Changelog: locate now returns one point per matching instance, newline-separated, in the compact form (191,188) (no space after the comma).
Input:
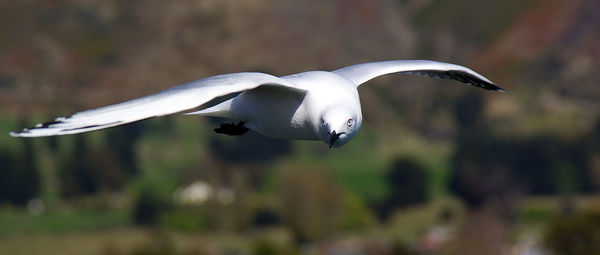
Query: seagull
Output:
(314,105)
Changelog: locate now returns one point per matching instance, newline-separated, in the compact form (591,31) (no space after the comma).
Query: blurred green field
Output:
(112,233)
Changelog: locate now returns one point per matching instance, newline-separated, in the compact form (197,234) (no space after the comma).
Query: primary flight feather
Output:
(315,105)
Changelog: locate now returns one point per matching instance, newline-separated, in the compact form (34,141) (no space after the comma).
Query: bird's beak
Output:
(333,137)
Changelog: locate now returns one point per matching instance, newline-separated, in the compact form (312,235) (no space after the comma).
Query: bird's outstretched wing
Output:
(363,72)
(180,98)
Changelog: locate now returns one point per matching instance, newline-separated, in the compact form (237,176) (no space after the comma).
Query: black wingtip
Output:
(504,91)
(500,89)
(19,133)
(37,126)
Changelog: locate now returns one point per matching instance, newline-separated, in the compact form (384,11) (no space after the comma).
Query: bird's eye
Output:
(349,123)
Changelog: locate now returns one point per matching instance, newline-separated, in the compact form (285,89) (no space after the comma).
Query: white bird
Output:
(315,105)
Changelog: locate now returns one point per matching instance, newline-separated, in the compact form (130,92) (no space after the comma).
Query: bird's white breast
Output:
(281,113)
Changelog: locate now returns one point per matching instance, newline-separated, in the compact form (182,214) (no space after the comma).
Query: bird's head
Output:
(339,125)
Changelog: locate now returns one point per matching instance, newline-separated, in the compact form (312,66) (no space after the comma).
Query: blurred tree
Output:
(476,174)
(595,136)
(74,174)
(88,170)
(549,165)
(485,165)
(251,151)
(149,207)
(8,162)
(29,179)
(468,112)
(19,177)
(121,142)
(594,158)
(407,183)
(264,217)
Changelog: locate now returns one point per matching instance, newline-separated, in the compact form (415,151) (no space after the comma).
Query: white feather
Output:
(180,98)
(362,73)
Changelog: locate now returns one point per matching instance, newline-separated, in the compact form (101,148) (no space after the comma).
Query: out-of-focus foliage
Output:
(149,207)
(487,165)
(19,176)
(90,165)
(407,185)
(575,234)
(267,247)
(311,204)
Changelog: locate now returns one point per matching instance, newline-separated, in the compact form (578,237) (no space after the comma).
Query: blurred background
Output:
(437,168)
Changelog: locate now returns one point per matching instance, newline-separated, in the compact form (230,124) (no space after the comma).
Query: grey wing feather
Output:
(180,98)
(361,73)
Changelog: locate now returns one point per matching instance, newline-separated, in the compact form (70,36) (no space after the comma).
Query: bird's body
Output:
(271,111)
(316,105)
(289,114)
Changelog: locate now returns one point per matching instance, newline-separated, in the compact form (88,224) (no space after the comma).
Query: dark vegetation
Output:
(407,184)
(487,166)
(19,176)
(575,234)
